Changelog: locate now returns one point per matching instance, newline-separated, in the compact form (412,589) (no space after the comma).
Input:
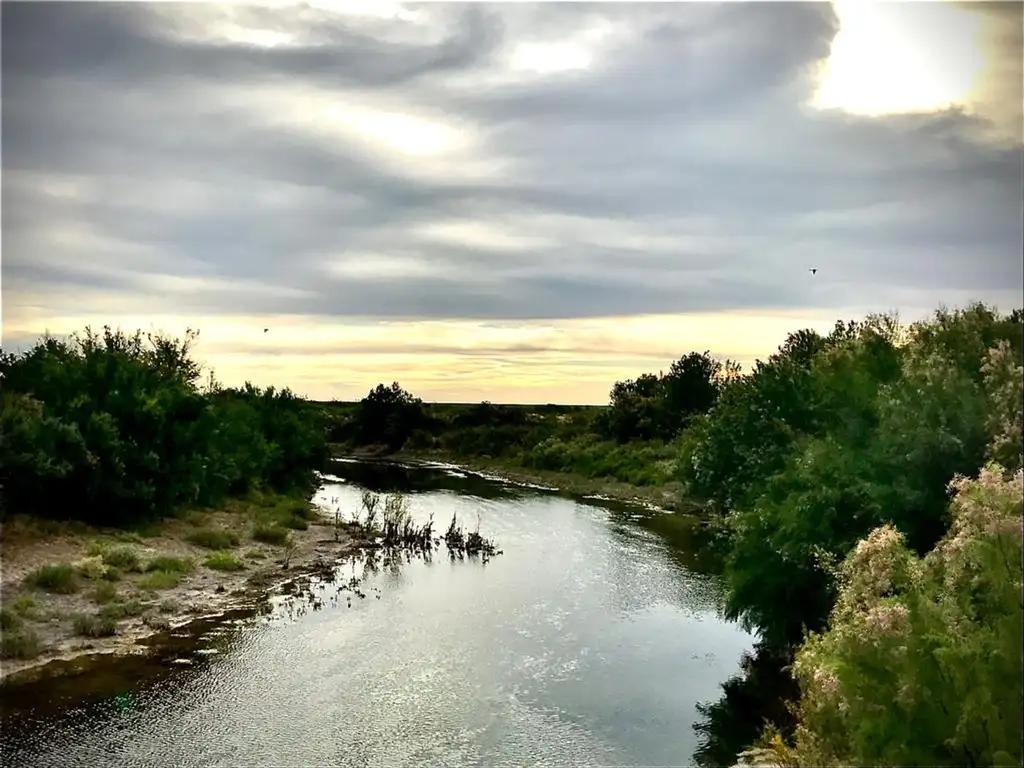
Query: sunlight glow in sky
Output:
(885,61)
(515,202)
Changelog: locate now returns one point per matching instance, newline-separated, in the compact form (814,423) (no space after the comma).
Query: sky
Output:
(510,202)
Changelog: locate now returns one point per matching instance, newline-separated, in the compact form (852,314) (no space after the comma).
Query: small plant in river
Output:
(370,503)
(289,552)
(461,544)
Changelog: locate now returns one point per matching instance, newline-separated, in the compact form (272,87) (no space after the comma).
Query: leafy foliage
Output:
(658,407)
(835,435)
(921,663)
(113,428)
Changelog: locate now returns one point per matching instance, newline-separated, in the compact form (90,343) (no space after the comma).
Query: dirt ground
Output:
(141,606)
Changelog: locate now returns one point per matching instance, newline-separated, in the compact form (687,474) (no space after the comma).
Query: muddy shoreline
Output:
(146,611)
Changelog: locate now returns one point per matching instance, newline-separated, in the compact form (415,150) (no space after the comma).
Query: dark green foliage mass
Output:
(113,428)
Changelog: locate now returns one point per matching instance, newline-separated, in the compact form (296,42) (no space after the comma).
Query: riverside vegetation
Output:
(862,491)
(135,495)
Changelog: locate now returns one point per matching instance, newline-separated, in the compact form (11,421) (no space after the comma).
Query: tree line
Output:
(114,428)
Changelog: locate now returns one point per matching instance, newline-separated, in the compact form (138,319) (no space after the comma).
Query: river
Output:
(589,641)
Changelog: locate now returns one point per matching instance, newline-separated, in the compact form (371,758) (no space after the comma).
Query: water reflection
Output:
(589,641)
(750,699)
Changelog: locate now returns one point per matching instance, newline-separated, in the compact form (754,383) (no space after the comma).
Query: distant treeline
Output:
(116,428)
(627,440)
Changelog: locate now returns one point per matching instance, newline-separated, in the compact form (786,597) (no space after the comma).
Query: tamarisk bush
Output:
(921,662)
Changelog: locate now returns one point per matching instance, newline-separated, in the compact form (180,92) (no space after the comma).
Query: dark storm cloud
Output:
(139,144)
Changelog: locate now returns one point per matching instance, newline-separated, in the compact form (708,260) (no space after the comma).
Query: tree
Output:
(388,416)
(690,387)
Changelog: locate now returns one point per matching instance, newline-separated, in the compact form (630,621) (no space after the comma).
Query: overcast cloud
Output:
(420,166)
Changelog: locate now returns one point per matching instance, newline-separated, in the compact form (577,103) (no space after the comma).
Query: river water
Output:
(589,641)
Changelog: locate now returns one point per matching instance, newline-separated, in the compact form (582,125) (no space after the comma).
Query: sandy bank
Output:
(61,622)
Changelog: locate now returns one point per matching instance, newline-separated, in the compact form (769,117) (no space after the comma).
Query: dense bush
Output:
(835,435)
(113,428)
(921,662)
(659,407)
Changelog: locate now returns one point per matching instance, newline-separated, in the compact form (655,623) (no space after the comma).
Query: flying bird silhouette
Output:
(814,271)
(265,330)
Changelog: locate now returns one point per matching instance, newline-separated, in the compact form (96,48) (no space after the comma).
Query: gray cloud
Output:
(680,172)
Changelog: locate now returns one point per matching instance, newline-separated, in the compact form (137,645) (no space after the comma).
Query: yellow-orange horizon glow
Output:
(565,361)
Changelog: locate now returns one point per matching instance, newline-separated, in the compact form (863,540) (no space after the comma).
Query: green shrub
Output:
(123,559)
(921,663)
(224,561)
(59,579)
(214,538)
(20,644)
(104,593)
(93,625)
(119,423)
(155,580)
(122,609)
(170,564)
(9,620)
(270,534)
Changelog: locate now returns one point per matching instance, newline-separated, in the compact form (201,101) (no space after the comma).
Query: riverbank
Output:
(68,589)
(667,496)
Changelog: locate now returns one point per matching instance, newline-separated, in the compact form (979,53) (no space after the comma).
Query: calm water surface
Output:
(588,642)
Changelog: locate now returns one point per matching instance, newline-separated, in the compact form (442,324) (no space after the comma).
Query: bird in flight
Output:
(265,330)
(814,271)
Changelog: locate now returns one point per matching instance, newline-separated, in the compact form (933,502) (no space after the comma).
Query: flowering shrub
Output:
(1004,380)
(921,663)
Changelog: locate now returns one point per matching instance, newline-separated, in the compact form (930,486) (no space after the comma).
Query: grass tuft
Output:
(156,580)
(271,534)
(20,644)
(214,538)
(9,620)
(123,559)
(170,564)
(224,561)
(122,610)
(94,625)
(104,593)
(59,579)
